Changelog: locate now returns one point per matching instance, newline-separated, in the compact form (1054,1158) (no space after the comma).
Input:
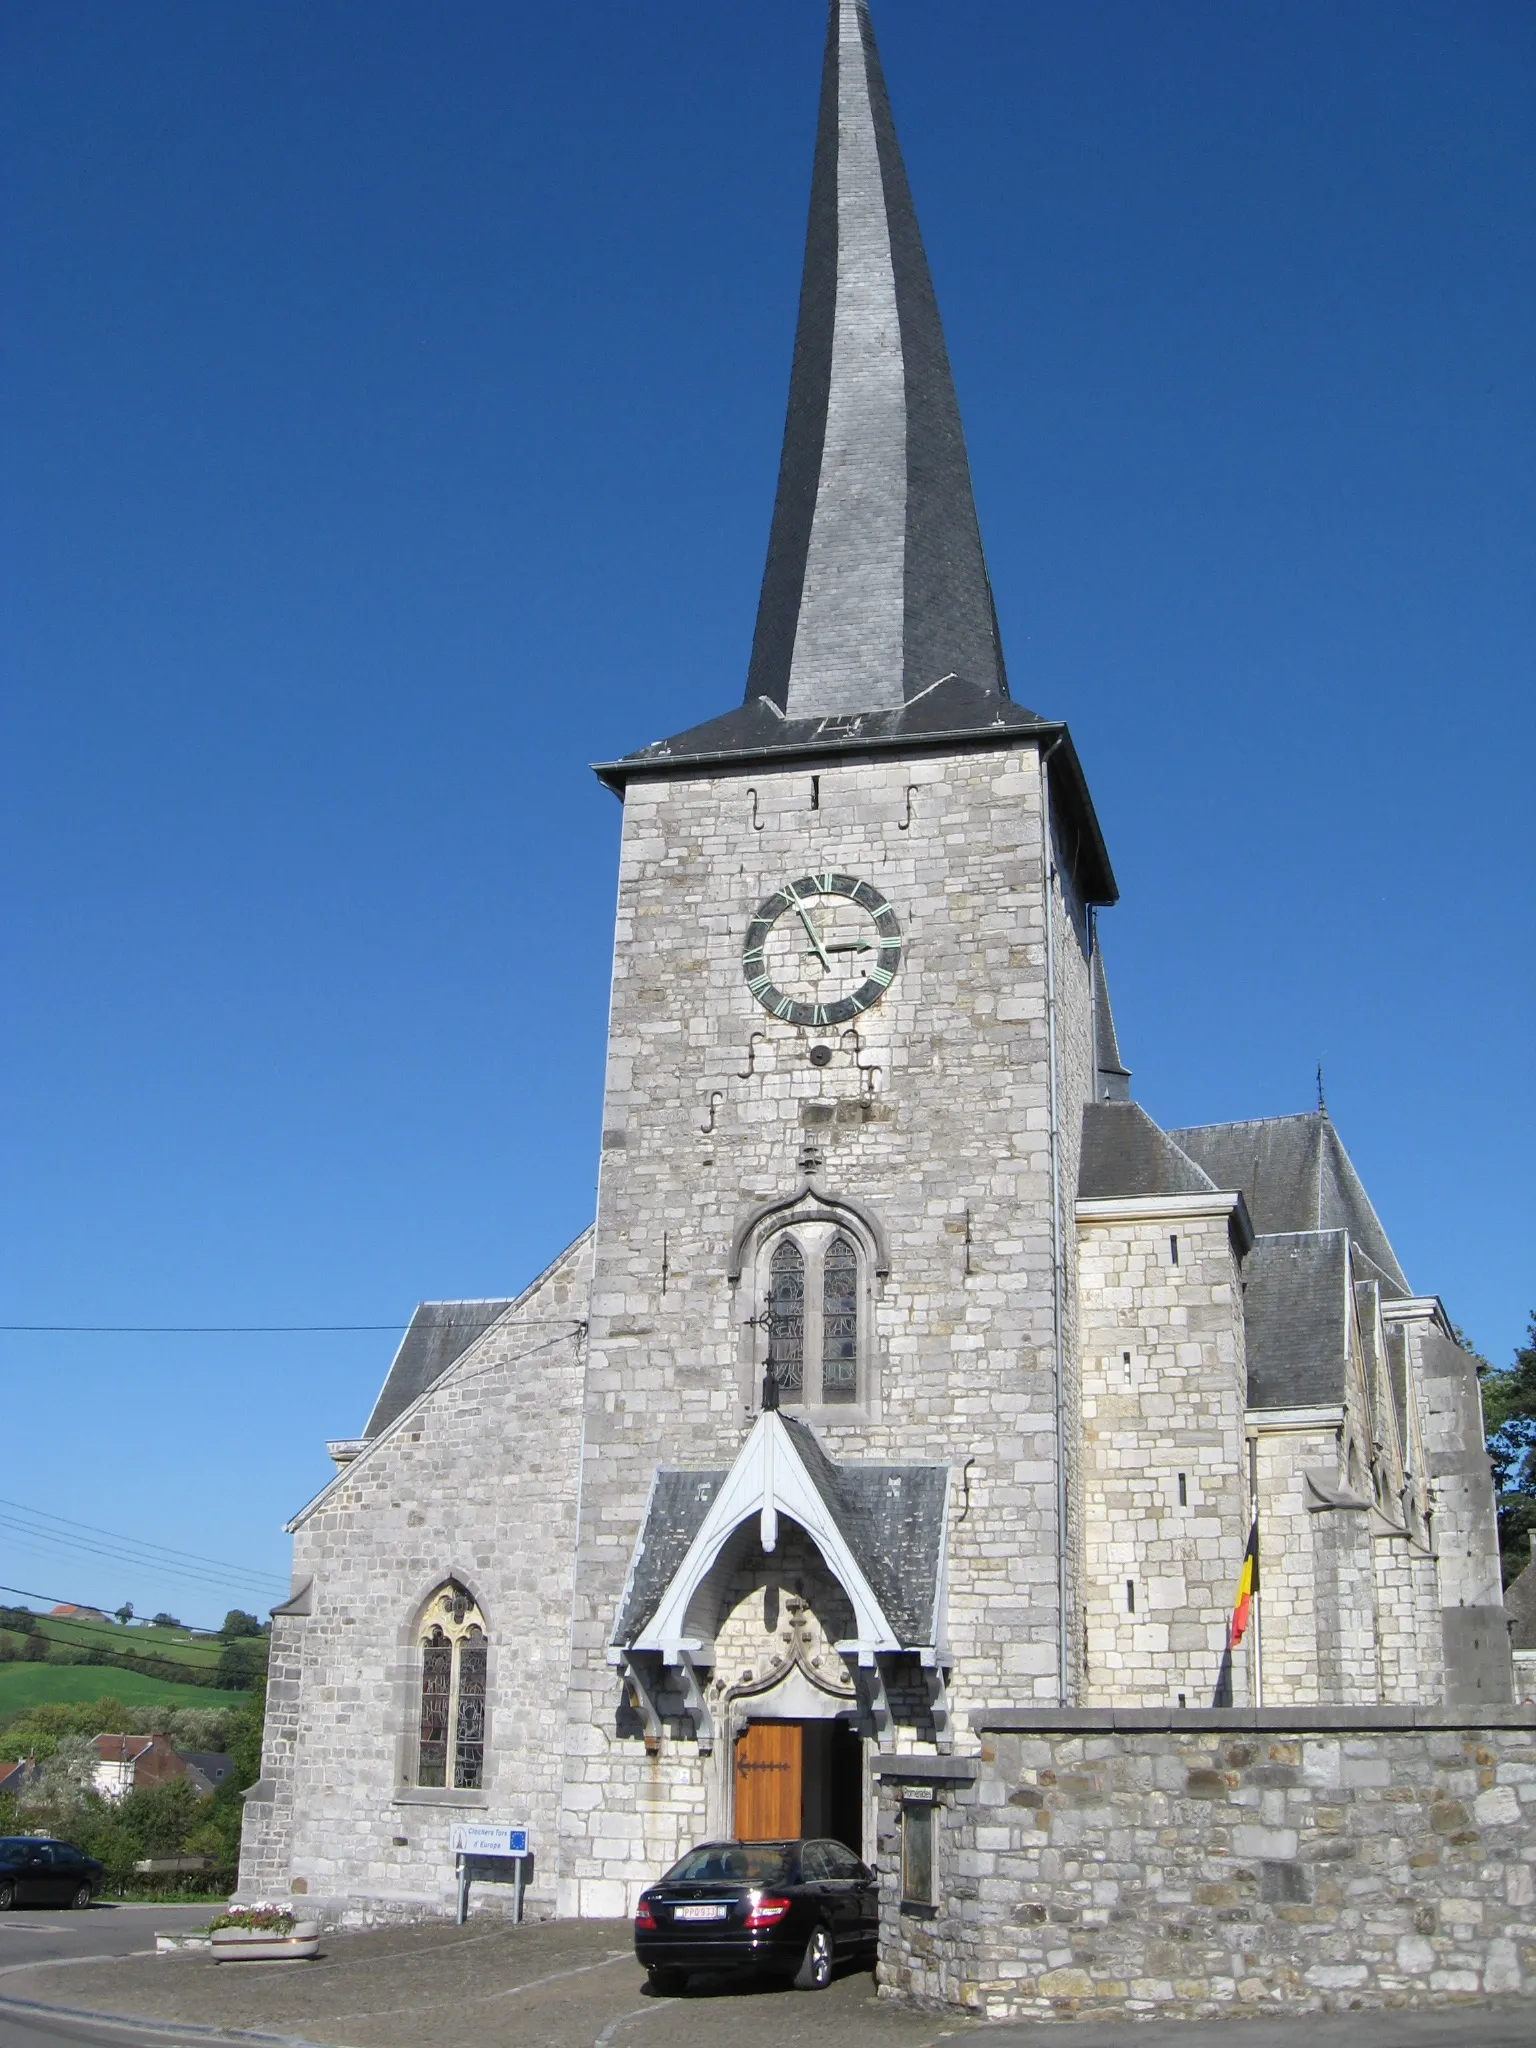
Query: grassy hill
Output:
(181,1644)
(23,1686)
(89,1659)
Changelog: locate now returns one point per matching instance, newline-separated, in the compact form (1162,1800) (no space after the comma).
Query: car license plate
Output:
(698,1912)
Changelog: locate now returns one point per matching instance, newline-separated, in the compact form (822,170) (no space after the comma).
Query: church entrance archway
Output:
(799,1778)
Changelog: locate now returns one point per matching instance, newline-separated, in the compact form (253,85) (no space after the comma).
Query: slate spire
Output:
(875,586)
(875,627)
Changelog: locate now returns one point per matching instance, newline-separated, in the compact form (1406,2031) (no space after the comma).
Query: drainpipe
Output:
(1048,875)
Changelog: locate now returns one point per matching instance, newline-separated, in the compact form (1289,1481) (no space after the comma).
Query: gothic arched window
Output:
(453,1657)
(786,1328)
(813,1314)
(840,1322)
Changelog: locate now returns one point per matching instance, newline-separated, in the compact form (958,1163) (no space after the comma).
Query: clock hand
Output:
(813,934)
(849,946)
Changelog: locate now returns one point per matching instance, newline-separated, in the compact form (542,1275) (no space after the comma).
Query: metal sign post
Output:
(474,1847)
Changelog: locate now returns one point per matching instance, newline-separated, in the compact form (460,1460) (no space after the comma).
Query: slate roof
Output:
(440,1332)
(890,1516)
(1295,1314)
(1113,1077)
(1124,1153)
(1295,1175)
(209,1765)
(875,623)
(875,585)
(951,715)
(438,1336)
(674,1515)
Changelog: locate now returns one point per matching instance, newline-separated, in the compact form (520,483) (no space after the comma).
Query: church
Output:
(909,1371)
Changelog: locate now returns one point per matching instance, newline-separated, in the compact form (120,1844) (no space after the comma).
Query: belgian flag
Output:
(1247,1586)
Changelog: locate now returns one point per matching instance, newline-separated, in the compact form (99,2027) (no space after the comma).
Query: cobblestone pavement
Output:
(574,1984)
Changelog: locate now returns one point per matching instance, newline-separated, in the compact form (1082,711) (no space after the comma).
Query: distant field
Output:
(31,1685)
(106,1635)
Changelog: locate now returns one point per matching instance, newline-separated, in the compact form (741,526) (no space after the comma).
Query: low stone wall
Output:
(1189,1863)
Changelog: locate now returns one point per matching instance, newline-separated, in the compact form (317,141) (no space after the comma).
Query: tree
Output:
(165,1621)
(125,1613)
(241,1661)
(238,1623)
(35,1648)
(1509,1413)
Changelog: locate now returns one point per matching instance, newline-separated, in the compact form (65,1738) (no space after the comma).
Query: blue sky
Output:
(391,410)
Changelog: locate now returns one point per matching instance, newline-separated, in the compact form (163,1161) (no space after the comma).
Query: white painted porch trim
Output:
(767,1480)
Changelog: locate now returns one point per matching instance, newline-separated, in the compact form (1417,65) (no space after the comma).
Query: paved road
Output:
(572,1984)
(36,1934)
(33,1935)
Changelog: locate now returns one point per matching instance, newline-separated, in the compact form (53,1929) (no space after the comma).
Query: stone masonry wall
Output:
(1287,1621)
(477,1481)
(1164,1397)
(1139,1865)
(939,1123)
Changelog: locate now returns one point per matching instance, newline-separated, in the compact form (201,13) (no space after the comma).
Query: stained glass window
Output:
(840,1322)
(436,1691)
(453,1675)
(469,1722)
(786,1332)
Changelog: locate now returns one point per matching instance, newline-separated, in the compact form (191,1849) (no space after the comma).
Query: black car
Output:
(794,1908)
(37,1872)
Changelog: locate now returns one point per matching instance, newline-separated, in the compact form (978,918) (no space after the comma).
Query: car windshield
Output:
(734,1863)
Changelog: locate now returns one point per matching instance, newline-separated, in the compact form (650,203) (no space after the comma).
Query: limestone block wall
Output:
(933,1112)
(1286,1630)
(1465,1526)
(1348,1650)
(1165,1487)
(478,1482)
(1409,1661)
(1137,1865)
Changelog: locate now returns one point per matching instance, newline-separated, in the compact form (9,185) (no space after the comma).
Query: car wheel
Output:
(7,1895)
(815,1971)
(668,1983)
(80,1898)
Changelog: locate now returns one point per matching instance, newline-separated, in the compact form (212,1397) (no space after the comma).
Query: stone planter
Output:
(260,1945)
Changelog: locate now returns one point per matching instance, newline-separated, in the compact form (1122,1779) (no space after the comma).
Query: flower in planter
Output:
(260,1919)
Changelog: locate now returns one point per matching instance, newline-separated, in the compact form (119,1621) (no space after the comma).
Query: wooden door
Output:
(768,1782)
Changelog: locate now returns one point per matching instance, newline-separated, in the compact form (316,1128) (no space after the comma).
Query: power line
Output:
(132,1560)
(208,1329)
(115,1644)
(222,1585)
(58,1600)
(161,1550)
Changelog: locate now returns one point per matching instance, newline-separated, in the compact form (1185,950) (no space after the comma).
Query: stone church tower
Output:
(908,1368)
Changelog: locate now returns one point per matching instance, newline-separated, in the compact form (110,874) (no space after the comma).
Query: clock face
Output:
(821,950)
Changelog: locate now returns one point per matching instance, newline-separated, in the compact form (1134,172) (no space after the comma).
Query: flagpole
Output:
(1258,1595)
